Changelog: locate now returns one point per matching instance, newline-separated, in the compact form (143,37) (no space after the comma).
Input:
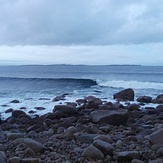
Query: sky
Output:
(94,32)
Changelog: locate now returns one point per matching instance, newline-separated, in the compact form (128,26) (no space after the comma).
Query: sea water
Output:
(37,85)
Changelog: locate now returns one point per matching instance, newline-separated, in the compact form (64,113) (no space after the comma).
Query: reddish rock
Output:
(126,94)
(146,99)
(113,117)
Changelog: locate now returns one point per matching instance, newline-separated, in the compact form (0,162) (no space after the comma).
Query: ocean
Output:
(37,85)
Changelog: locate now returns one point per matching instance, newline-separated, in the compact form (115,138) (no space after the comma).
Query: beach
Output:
(88,130)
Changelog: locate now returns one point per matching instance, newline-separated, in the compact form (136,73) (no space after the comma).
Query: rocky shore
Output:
(88,130)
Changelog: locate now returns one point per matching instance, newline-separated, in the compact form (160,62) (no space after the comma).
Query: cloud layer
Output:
(80,22)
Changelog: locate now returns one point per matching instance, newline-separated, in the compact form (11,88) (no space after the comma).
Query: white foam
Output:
(130,84)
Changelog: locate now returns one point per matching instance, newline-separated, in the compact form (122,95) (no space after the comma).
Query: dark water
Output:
(35,82)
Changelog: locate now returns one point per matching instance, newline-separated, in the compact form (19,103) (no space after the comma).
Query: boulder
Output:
(35,145)
(146,99)
(160,98)
(126,156)
(15,101)
(112,117)
(156,137)
(93,152)
(14,160)
(66,109)
(94,103)
(13,136)
(126,94)
(29,160)
(104,147)
(17,113)
(133,107)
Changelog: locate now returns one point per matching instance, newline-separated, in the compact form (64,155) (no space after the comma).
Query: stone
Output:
(126,156)
(66,109)
(126,94)
(137,161)
(146,99)
(105,138)
(94,103)
(3,147)
(17,113)
(9,110)
(156,137)
(40,108)
(14,160)
(160,98)
(93,152)
(13,136)
(104,147)
(156,161)
(15,101)
(132,107)
(3,158)
(112,117)
(35,145)
(29,160)
(160,151)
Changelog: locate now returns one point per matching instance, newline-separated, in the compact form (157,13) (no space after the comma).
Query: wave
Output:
(76,81)
(130,84)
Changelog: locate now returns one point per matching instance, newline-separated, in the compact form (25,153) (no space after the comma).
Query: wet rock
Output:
(35,145)
(126,156)
(93,152)
(126,94)
(160,98)
(113,117)
(9,110)
(146,99)
(66,109)
(40,108)
(17,113)
(15,101)
(156,137)
(156,161)
(104,147)
(105,138)
(58,98)
(3,147)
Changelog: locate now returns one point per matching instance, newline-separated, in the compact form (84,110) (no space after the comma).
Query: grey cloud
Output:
(80,22)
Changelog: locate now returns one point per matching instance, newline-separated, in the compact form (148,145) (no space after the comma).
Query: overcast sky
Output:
(81,32)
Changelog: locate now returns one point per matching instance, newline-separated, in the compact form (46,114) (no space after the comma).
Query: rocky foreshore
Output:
(88,130)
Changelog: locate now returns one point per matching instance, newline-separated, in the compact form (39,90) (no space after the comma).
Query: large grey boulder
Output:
(156,137)
(66,109)
(112,117)
(126,94)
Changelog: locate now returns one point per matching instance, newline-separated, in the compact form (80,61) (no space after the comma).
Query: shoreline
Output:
(87,130)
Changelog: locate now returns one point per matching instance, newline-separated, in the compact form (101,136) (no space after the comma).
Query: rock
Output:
(160,98)
(126,156)
(3,158)
(15,101)
(87,138)
(104,147)
(156,161)
(94,103)
(119,143)
(9,110)
(93,152)
(160,151)
(29,160)
(105,138)
(146,99)
(133,107)
(137,161)
(58,98)
(14,160)
(126,94)
(13,136)
(3,147)
(156,137)
(17,113)
(66,109)
(113,117)
(40,108)
(36,146)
